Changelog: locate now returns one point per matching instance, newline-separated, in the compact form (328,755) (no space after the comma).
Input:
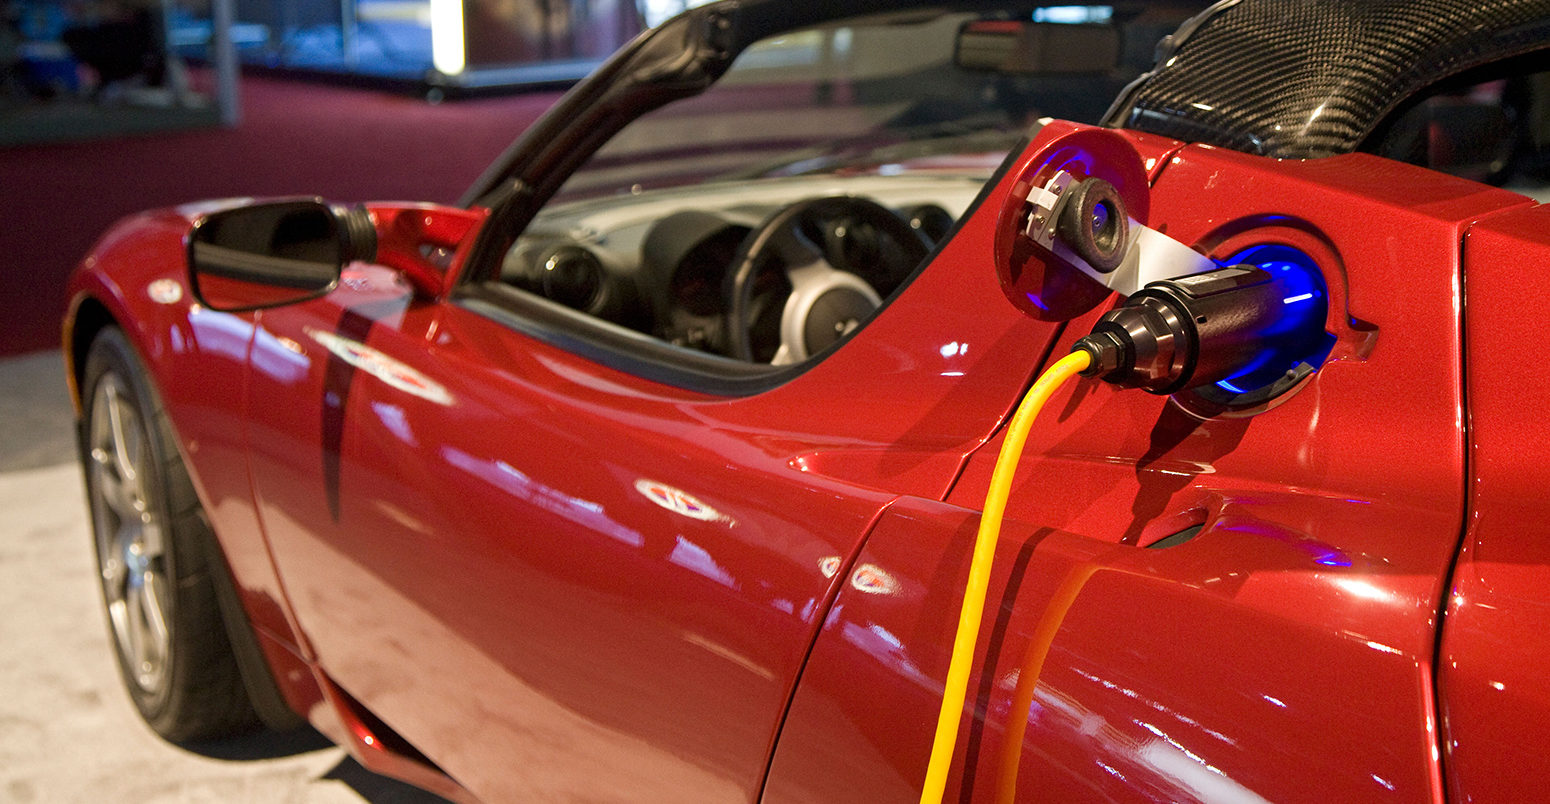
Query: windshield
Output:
(886,95)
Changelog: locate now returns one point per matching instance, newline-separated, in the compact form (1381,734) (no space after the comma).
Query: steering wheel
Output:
(825,303)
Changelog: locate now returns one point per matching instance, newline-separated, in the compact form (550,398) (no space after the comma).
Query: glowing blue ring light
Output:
(1305,298)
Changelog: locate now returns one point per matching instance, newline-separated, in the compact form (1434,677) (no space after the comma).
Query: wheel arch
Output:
(87,317)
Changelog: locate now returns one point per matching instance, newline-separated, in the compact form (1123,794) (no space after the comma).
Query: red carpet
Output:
(295,138)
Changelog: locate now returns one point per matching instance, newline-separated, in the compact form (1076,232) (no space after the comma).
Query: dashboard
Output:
(664,262)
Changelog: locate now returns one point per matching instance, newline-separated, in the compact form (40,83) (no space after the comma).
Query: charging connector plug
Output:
(1196,330)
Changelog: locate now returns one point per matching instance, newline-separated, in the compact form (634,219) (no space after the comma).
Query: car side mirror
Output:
(275,253)
(1017,47)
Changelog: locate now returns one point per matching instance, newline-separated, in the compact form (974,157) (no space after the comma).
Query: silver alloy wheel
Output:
(131,547)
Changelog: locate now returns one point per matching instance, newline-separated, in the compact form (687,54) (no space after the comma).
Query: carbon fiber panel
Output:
(1310,78)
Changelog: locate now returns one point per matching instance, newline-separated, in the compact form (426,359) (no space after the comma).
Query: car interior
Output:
(768,218)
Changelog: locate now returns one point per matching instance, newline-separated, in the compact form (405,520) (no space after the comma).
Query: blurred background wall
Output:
(108,107)
(296,138)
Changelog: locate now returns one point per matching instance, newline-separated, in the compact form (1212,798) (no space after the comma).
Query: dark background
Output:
(295,138)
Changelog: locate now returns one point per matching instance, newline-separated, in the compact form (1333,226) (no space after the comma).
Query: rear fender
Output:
(1112,671)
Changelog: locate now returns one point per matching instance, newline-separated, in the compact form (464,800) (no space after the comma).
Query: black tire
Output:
(167,633)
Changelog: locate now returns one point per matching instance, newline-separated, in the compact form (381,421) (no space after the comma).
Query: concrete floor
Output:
(68,732)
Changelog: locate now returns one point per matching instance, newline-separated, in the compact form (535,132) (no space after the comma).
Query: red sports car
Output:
(679,462)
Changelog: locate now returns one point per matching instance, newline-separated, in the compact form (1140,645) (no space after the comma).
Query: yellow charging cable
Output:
(957,688)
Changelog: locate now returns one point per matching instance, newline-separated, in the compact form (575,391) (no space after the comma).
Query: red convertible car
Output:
(655,470)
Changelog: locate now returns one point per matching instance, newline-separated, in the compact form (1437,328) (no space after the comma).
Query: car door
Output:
(558,579)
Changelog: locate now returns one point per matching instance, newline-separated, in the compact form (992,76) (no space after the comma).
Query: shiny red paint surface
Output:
(611,582)
(1289,646)
(508,551)
(560,580)
(1495,702)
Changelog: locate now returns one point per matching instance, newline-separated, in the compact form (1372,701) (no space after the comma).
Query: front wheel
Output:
(162,612)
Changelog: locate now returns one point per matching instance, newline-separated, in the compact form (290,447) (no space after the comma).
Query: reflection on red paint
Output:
(384,368)
(873,580)
(677,500)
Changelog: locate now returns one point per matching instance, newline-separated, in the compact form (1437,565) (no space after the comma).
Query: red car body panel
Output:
(663,608)
(1495,702)
(558,579)
(630,570)
(1289,647)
